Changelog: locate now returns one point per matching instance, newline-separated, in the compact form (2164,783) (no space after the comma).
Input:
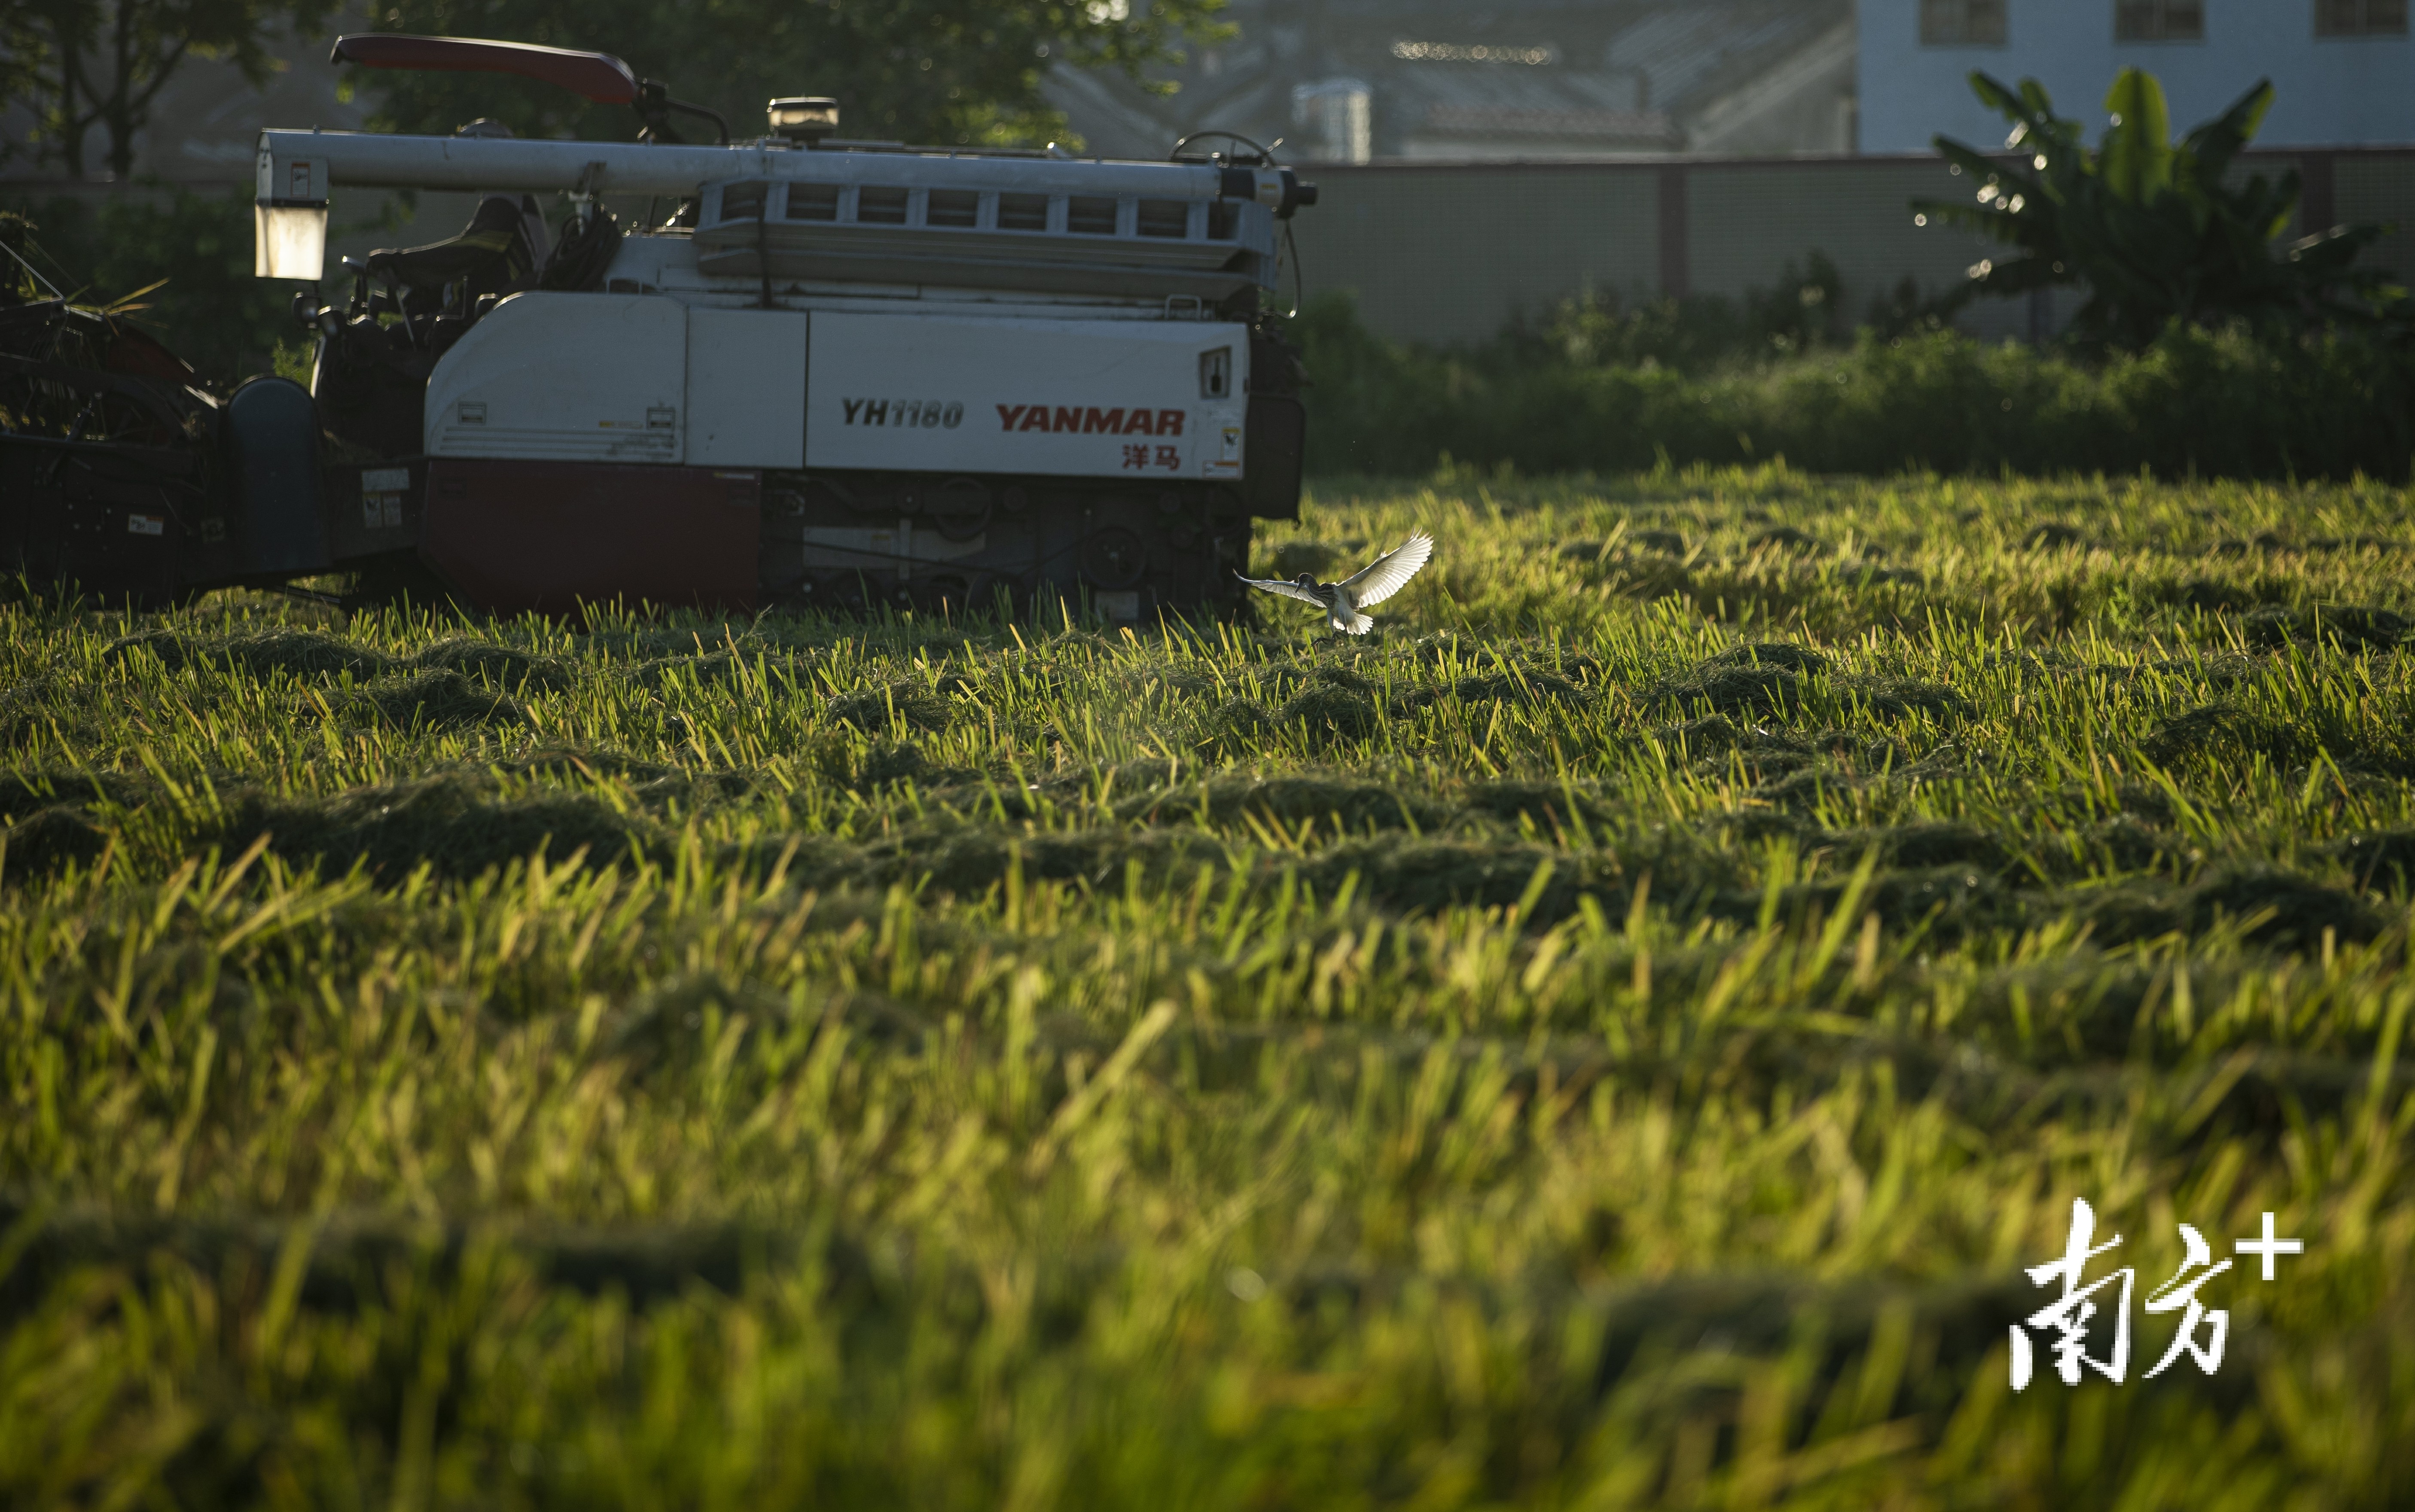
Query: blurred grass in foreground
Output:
(1613,1039)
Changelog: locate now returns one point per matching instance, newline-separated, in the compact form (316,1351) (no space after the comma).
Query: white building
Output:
(2343,71)
(1444,81)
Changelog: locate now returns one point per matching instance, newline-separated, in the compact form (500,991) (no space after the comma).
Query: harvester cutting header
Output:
(821,372)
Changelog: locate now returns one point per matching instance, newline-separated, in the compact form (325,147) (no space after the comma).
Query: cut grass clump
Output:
(2263,904)
(1324,713)
(441,700)
(1333,803)
(893,706)
(1525,685)
(1901,698)
(1431,876)
(888,764)
(457,826)
(1785,538)
(1768,678)
(1546,806)
(2054,535)
(2222,734)
(25,793)
(1941,905)
(356,1256)
(1759,755)
(300,653)
(2383,860)
(2120,845)
(2358,627)
(311,657)
(756,666)
(511,669)
(970,861)
(47,841)
(1933,845)
(2218,732)
(1235,728)
(1735,690)
(1782,655)
(30,711)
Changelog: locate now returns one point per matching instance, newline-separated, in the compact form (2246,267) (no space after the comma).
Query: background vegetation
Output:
(2204,347)
(1592,386)
(1613,1039)
(80,67)
(2158,232)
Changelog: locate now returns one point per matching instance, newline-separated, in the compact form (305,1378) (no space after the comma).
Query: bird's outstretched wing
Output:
(1389,573)
(1276,585)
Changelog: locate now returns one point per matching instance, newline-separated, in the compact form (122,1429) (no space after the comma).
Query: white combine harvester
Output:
(827,373)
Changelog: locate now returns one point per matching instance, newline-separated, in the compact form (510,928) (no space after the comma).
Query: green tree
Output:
(945,71)
(2154,229)
(84,64)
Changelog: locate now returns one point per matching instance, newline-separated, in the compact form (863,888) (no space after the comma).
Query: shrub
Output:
(2151,228)
(2193,402)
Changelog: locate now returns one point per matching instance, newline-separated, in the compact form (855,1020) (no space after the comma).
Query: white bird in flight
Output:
(1379,580)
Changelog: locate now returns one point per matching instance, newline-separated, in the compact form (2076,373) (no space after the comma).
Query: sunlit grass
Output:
(1614,1038)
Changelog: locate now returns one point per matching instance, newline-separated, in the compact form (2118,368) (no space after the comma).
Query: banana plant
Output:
(2152,229)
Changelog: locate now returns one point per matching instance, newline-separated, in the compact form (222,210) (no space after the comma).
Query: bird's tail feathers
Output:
(1360,624)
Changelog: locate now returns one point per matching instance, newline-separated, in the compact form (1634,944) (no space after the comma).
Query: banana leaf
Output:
(2153,230)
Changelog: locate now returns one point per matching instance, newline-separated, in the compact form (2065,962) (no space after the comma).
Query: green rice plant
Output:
(1613,1037)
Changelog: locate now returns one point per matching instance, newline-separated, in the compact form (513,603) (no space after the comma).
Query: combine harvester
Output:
(836,374)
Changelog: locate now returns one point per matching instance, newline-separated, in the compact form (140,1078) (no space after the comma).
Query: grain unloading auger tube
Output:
(820,371)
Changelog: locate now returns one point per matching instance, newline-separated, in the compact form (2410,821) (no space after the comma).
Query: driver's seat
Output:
(500,252)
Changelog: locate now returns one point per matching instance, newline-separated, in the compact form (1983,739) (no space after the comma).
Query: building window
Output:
(2360,18)
(2161,20)
(1962,22)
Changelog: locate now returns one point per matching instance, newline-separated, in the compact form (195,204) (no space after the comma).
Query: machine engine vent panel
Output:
(1164,219)
(809,202)
(953,207)
(1115,245)
(1090,215)
(881,205)
(1022,212)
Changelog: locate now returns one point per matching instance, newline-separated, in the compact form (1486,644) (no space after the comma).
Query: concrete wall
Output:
(1449,254)
(2327,91)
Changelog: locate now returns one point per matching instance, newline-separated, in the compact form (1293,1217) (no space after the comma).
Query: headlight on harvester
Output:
(803,118)
(289,239)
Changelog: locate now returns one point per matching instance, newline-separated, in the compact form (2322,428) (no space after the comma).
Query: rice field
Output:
(1616,1037)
